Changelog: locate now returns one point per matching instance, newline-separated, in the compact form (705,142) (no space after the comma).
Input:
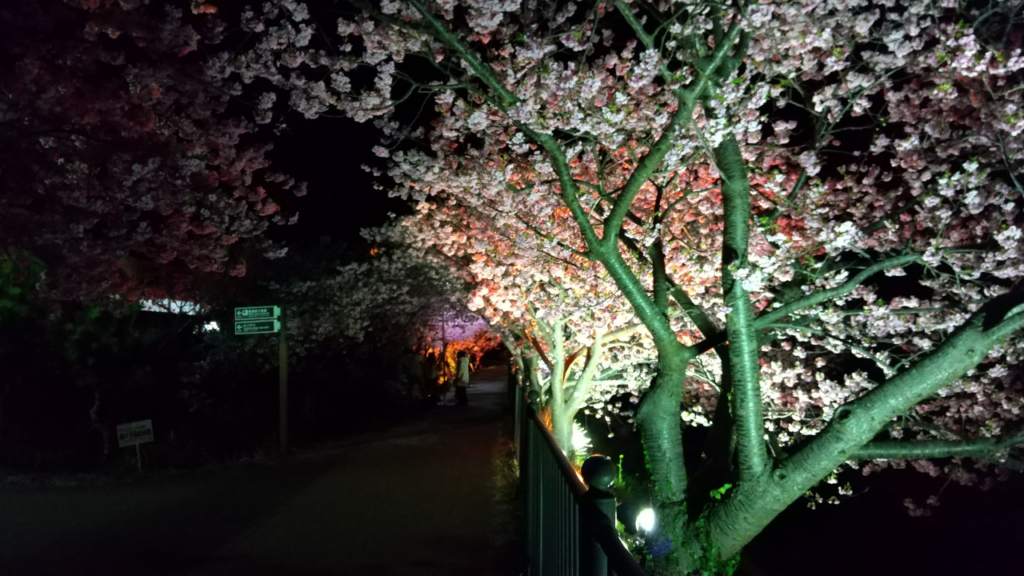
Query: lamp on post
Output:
(599,472)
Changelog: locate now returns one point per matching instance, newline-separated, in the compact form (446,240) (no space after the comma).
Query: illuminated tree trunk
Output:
(565,395)
(561,417)
(531,374)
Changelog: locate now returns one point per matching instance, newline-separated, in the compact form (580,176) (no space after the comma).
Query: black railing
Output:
(570,529)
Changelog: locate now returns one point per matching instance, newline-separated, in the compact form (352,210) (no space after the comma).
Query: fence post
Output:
(599,472)
(535,486)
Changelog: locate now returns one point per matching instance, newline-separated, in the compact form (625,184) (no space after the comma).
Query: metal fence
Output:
(570,529)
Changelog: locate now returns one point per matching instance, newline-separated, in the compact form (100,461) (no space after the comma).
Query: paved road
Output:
(419,500)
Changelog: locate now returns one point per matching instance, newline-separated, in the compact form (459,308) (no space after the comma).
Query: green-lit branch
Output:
(801,180)
(586,379)
(751,508)
(696,315)
(721,442)
(641,174)
(980,448)
(816,298)
(505,99)
(649,163)
(482,71)
(659,275)
(686,305)
(743,360)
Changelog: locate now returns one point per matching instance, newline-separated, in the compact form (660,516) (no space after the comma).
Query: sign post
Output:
(135,433)
(269,320)
(282,374)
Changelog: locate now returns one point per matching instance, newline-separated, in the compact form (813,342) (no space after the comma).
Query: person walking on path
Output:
(462,379)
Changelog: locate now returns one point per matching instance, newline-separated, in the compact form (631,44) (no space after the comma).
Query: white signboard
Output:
(134,433)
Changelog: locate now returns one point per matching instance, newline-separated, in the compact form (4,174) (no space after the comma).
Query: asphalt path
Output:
(419,499)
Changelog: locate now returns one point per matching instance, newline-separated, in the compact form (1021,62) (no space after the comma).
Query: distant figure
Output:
(431,376)
(413,372)
(462,379)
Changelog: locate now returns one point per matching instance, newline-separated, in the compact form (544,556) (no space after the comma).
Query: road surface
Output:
(419,500)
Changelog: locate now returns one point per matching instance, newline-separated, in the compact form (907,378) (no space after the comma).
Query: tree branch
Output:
(696,315)
(482,71)
(845,288)
(989,449)
(746,388)
(734,523)
(583,383)
(506,99)
(686,98)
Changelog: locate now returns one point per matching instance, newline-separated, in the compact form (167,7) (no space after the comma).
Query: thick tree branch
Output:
(686,98)
(754,505)
(700,319)
(643,172)
(746,388)
(686,305)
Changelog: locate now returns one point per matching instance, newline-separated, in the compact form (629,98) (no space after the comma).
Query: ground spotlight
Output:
(645,520)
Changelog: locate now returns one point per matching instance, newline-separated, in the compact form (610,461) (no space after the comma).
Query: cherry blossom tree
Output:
(829,191)
(567,327)
(119,153)
(389,293)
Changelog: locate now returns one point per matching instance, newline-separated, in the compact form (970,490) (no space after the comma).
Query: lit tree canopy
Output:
(392,296)
(574,336)
(117,149)
(828,190)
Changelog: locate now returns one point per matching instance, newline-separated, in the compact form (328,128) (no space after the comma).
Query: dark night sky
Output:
(327,153)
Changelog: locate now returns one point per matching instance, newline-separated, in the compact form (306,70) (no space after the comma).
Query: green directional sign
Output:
(269,320)
(257,327)
(257,313)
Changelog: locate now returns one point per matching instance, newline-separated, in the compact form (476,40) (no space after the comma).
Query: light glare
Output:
(580,440)
(645,520)
(171,306)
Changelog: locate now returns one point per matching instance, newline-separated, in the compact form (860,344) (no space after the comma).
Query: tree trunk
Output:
(659,420)
(531,374)
(742,350)
(561,428)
